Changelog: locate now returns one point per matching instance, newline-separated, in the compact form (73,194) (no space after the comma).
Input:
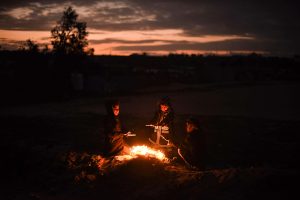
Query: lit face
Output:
(189,127)
(116,110)
(164,108)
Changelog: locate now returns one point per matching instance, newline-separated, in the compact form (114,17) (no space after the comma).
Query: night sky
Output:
(161,26)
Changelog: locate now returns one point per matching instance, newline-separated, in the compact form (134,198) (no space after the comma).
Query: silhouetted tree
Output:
(69,35)
(45,50)
(29,46)
(90,51)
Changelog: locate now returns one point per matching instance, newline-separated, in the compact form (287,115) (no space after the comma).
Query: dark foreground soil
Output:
(57,157)
(53,151)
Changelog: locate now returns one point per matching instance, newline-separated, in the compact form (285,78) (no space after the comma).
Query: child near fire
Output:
(163,123)
(114,130)
(192,150)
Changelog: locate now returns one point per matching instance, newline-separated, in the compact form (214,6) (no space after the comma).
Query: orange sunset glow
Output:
(160,27)
(111,40)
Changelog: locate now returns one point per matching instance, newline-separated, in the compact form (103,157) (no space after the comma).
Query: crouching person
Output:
(192,150)
(114,131)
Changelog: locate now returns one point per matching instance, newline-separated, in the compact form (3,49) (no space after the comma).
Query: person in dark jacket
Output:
(193,148)
(163,123)
(114,130)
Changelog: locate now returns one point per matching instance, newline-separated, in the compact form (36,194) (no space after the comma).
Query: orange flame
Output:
(134,152)
(147,151)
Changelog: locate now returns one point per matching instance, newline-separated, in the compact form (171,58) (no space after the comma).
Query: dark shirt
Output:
(193,148)
(164,119)
(114,135)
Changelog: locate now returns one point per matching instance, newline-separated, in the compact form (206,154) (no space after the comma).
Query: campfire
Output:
(145,151)
(149,152)
(105,165)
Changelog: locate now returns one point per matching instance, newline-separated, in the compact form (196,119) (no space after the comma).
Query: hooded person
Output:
(163,121)
(114,130)
(193,147)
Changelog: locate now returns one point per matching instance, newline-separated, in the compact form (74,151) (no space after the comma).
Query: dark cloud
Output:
(16,3)
(184,45)
(277,48)
(273,24)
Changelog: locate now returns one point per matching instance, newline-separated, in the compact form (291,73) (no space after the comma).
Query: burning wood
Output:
(105,165)
(149,152)
(145,151)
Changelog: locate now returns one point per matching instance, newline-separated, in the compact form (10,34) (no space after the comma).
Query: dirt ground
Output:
(48,151)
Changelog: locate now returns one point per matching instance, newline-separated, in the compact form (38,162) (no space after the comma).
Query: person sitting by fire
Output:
(192,150)
(163,123)
(114,130)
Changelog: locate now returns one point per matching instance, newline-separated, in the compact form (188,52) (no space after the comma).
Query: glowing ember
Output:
(124,157)
(146,151)
(134,152)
